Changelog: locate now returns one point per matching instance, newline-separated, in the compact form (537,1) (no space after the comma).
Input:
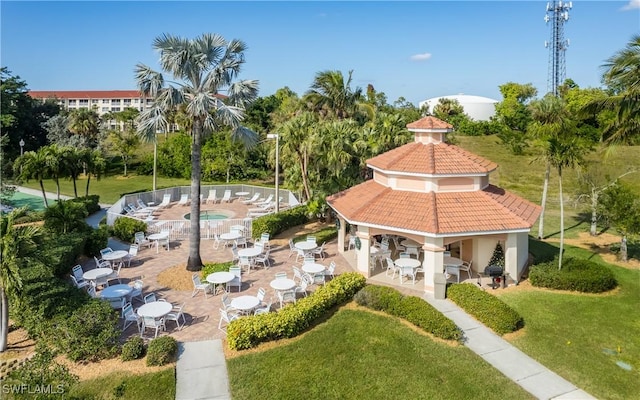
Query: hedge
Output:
(161,351)
(411,308)
(323,235)
(91,203)
(210,268)
(124,228)
(290,321)
(577,274)
(485,307)
(62,250)
(274,224)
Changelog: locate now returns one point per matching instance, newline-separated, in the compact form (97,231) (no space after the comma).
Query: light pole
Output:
(277,138)
(21,147)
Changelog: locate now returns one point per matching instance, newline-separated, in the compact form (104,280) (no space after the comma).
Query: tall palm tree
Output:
(55,164)
(549,116)
(18,246)
(33,165)
(73,164)
(200,69)
(95,165)
(86,123)
(332,95)
(296,146)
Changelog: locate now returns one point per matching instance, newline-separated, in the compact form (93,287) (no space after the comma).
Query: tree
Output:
(86,123)
(18,247)
(513,115)
(55,164)
(200,68)
(296,147)
(65,216)
(125,143)
(332,96)
(73,164)
(620,206)
(33,165)
(95,165)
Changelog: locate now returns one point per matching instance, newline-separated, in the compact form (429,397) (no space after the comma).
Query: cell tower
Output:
(557,14)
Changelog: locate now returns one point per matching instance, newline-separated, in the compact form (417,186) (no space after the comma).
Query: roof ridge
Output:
(507,193)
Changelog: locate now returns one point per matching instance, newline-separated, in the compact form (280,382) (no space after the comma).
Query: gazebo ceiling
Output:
(489,210)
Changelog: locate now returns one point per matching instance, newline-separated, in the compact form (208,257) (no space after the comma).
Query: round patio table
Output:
(157,237)
(250,252)
(239,228)
(219,278)
(313,268)
(96,273)
(282,284)
(245,303)
(117,255)
(305,246)
(155,309)
(230,236)
(452,261)
(116,291)
(407,262)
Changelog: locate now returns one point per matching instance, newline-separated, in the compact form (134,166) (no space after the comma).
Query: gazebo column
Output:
(363,255)
(516,253)
(433,260)
(341,234)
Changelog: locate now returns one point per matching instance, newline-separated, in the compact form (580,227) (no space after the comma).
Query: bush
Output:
(132,349)
(97,240)
(65,217)
(161,351)
(61,251)
(41,371)
(90,203)
(576,274)
(485,307)
(125,228)
(323,235)
(245,333)
(210,268)
(410,308)
(280,222)
(91,332)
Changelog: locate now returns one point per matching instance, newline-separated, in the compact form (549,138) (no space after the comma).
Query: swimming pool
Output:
(209,215)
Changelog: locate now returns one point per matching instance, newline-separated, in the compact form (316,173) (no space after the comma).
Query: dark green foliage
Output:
(132,349)
(485,307)
(97,240)
(174,156)
(90,333)
(410,308)
(41,371)
(61,251)
(277,223)
(91,203)
(161,351)
(65,216)
(323,235)
(125,228)
(498,256)
(32,216)
(293,319)
(210,268)
(576,274)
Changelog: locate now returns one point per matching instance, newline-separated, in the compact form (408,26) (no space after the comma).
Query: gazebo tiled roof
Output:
(429,123)
(489,210)
(432,158)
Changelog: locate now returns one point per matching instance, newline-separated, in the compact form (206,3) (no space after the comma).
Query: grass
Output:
(573,334)
(358,353)
(121,385)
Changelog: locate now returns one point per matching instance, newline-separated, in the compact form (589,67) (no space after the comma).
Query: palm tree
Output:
(73,164)
(296,146)
(33,165)
(331,95)
(55,164)
(18,246)
(86,123)
(200,68)
(95,165)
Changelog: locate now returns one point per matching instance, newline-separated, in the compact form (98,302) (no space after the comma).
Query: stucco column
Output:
(341,235)
(433,260)
(363,255)
(516,253)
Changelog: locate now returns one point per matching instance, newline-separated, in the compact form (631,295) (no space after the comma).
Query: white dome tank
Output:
(477,108)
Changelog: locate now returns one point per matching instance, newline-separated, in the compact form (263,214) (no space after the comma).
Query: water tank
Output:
(477,108)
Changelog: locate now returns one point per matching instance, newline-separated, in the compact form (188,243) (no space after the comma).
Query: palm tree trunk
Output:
(75,189)
(44,194)
(305,178)
(58,188)
(86,190)
(561,220)
(194,262)
(593,230)
(544,202)
(4,320)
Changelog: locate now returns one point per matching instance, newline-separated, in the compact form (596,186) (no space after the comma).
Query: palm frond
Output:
(246,136)
(243,93)
(149,81)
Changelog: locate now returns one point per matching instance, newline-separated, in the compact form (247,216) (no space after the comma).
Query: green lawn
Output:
(360,355)
(120,385)
(574,334)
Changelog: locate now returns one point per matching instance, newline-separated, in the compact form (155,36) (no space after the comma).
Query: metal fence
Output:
(180,229)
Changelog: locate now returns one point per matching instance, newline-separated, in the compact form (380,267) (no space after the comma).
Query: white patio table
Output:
(245,303)
(116,291)
(229,237)
(155,309)
(313,269)
(409,243)
(157,237)
(219,278)
(116,255)
(282,285)
(407,264)
(97,273)
(250,252)
(305,246)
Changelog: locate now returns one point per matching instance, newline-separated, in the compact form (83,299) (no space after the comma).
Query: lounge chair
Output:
(251,200)
(226,198)
(212,196)
(166,201)
(184,200)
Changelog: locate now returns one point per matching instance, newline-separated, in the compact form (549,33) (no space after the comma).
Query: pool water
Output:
(208,215)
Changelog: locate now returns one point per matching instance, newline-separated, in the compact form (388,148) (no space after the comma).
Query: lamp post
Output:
(277,138)
(21,146)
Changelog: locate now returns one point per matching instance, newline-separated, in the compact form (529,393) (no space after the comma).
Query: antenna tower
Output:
(557,15)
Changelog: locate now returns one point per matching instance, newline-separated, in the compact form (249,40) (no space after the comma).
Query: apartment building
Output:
(102,101)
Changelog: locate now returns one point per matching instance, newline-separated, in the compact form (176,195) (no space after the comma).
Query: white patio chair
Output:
(281,275)
(292,248)
(311,239)
(102,263)
(226,197)
(413,251)
(237,281)
(301,288)
(116,303)
(141,239)
(216,241)
(212,196)
(136,292)
(263,259)
(251,200)
(408,272)
(241,241)
(397,246)
(184,200)
(91,290)
(175,315)
(166,201)
(76,276)
(151,297)
(152,323)
(226,302)
(234,252)
(77,284)
(451,270)
(392,267)
(266,308)
(245,263)
(466,266)
(106,250)
(129,316)
(318,279)
(133,253)
(330,270)
(320,251)
(286,296)
(226,317)
(264,202)
(198,286)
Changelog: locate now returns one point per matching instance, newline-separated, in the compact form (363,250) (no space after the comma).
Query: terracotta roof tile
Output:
(492,209)
(440,158)
(429,123)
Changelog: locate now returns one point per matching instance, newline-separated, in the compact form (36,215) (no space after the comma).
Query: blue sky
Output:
(468,47)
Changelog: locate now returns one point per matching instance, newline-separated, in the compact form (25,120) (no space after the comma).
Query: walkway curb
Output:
(201,371)
(532,376)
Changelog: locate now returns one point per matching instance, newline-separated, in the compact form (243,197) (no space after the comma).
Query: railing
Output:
(180,229)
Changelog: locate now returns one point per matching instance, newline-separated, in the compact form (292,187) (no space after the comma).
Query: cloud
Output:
(633,4)
(422,56)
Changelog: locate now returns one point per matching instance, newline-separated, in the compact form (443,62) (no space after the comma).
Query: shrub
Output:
(410,308)
(210,268)
(65,216)
(32,216)
(277,223)
(323,235)
(576,274)
(97,240)
(41,371)
(245,333)
(61,251)
(91,332)
(90,203)
(161,351)
(485,307)
(132,349)
(125,228)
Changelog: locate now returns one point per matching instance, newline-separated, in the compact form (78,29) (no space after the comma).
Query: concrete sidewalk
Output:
(201,371)
(532,376)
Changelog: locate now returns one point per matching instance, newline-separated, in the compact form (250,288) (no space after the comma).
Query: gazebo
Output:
(438,195)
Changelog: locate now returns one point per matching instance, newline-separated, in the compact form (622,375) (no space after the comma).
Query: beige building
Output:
(102,101)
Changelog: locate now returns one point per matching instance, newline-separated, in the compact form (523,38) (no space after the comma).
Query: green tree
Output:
(512,113)
(296,148)
(125,142)
(33,165)
(73,163)
(95,165)
(18,247)
(620,205)
(65,216)
(55,164)
(332,96)
(86,123)
(201,69)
